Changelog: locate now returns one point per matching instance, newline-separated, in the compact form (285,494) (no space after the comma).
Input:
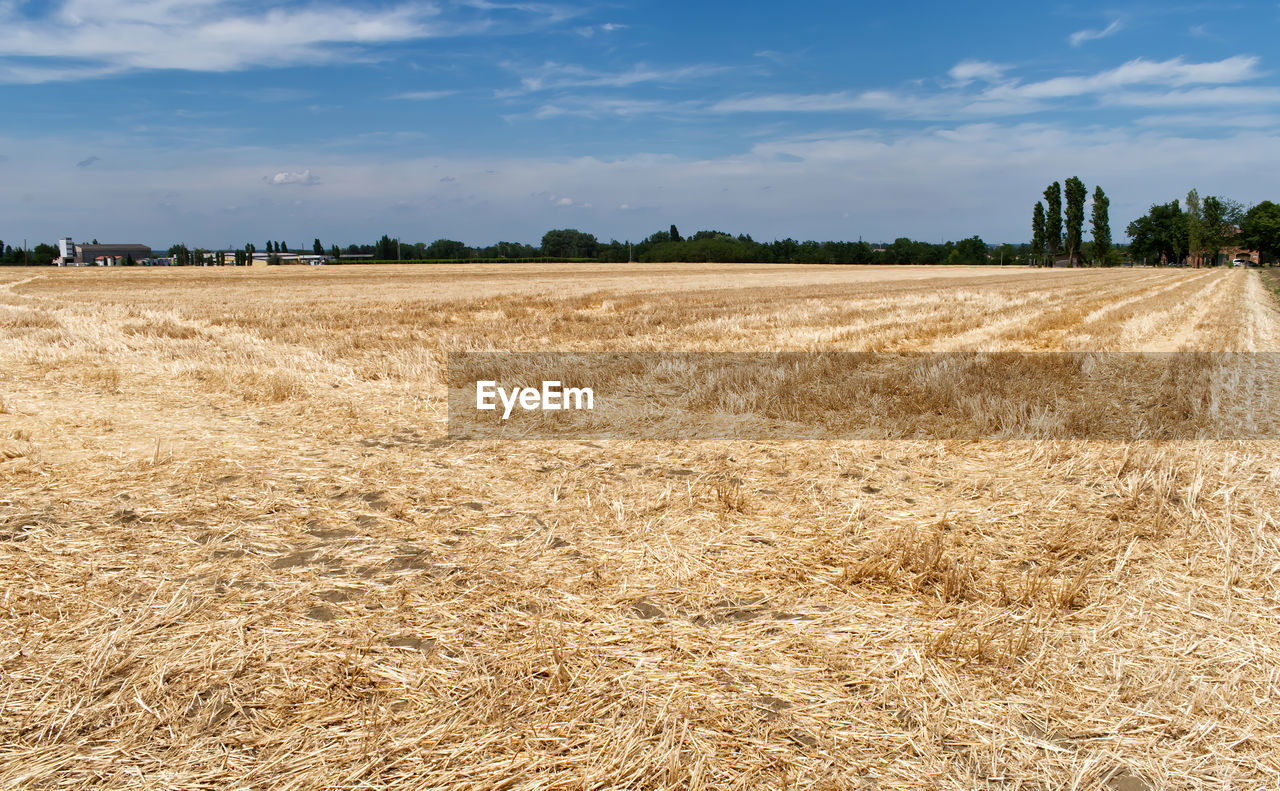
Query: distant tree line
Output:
(40,255)
(1168,233)
(670,245)
(665,245)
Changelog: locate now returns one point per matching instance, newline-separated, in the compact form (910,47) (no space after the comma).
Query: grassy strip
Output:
(542,260)
(1271,279)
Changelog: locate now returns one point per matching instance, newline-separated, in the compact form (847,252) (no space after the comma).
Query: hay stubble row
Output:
(236,552)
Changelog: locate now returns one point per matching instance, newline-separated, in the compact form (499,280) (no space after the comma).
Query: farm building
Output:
(71,254)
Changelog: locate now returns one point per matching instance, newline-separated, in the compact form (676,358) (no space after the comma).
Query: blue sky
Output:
(217,123)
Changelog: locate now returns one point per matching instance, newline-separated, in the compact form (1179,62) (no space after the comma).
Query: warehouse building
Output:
(72,254)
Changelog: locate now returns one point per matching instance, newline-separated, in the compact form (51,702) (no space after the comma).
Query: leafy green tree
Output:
(1195,228)
(1075,194)
(317,248)
(1160,236)
(860,252)
(675,234)
(446,248)
(1260,230)
(1222,218)
(1037,234)
(334,252)
(569,243)
(1100,222)
(510,250)
(43,254)
(1053,219)
(969,252)
(387,249)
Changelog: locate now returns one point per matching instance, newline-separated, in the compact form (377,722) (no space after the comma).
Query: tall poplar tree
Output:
(1195,228)
(1053,218)
(1076,194)
(1101,225)
(1037,234)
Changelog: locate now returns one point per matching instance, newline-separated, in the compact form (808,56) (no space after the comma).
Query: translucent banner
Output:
(864,395)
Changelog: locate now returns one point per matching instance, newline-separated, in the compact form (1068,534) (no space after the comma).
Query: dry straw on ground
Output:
(235,552)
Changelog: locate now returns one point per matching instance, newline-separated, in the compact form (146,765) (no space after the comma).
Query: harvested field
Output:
(236,550)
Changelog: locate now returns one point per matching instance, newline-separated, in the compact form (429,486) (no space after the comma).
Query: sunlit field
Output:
(238,549)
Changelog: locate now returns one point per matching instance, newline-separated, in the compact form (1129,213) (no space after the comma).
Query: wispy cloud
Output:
(84,163)
(1081,36)
(1222,96)
(589,31)
(597,107)
(891,104)
(552,75)
(1139,71)
(1002,95)
(84,39)
(424,95)
(303,178)
(550,12)
(966,71)
(1210,121)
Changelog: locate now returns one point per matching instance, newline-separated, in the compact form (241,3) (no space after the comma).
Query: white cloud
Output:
(1081,36)
(967,71)
(596,107)
(1222,96)
(589,31)
(1210,121)
(300,177)
(424,95)
(1007,97)
(552,75)
(888,103)
(107,37)
(1139,71)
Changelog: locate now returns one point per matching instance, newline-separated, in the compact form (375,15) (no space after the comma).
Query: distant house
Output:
(1061,260)
(1238,256)
(263,259)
